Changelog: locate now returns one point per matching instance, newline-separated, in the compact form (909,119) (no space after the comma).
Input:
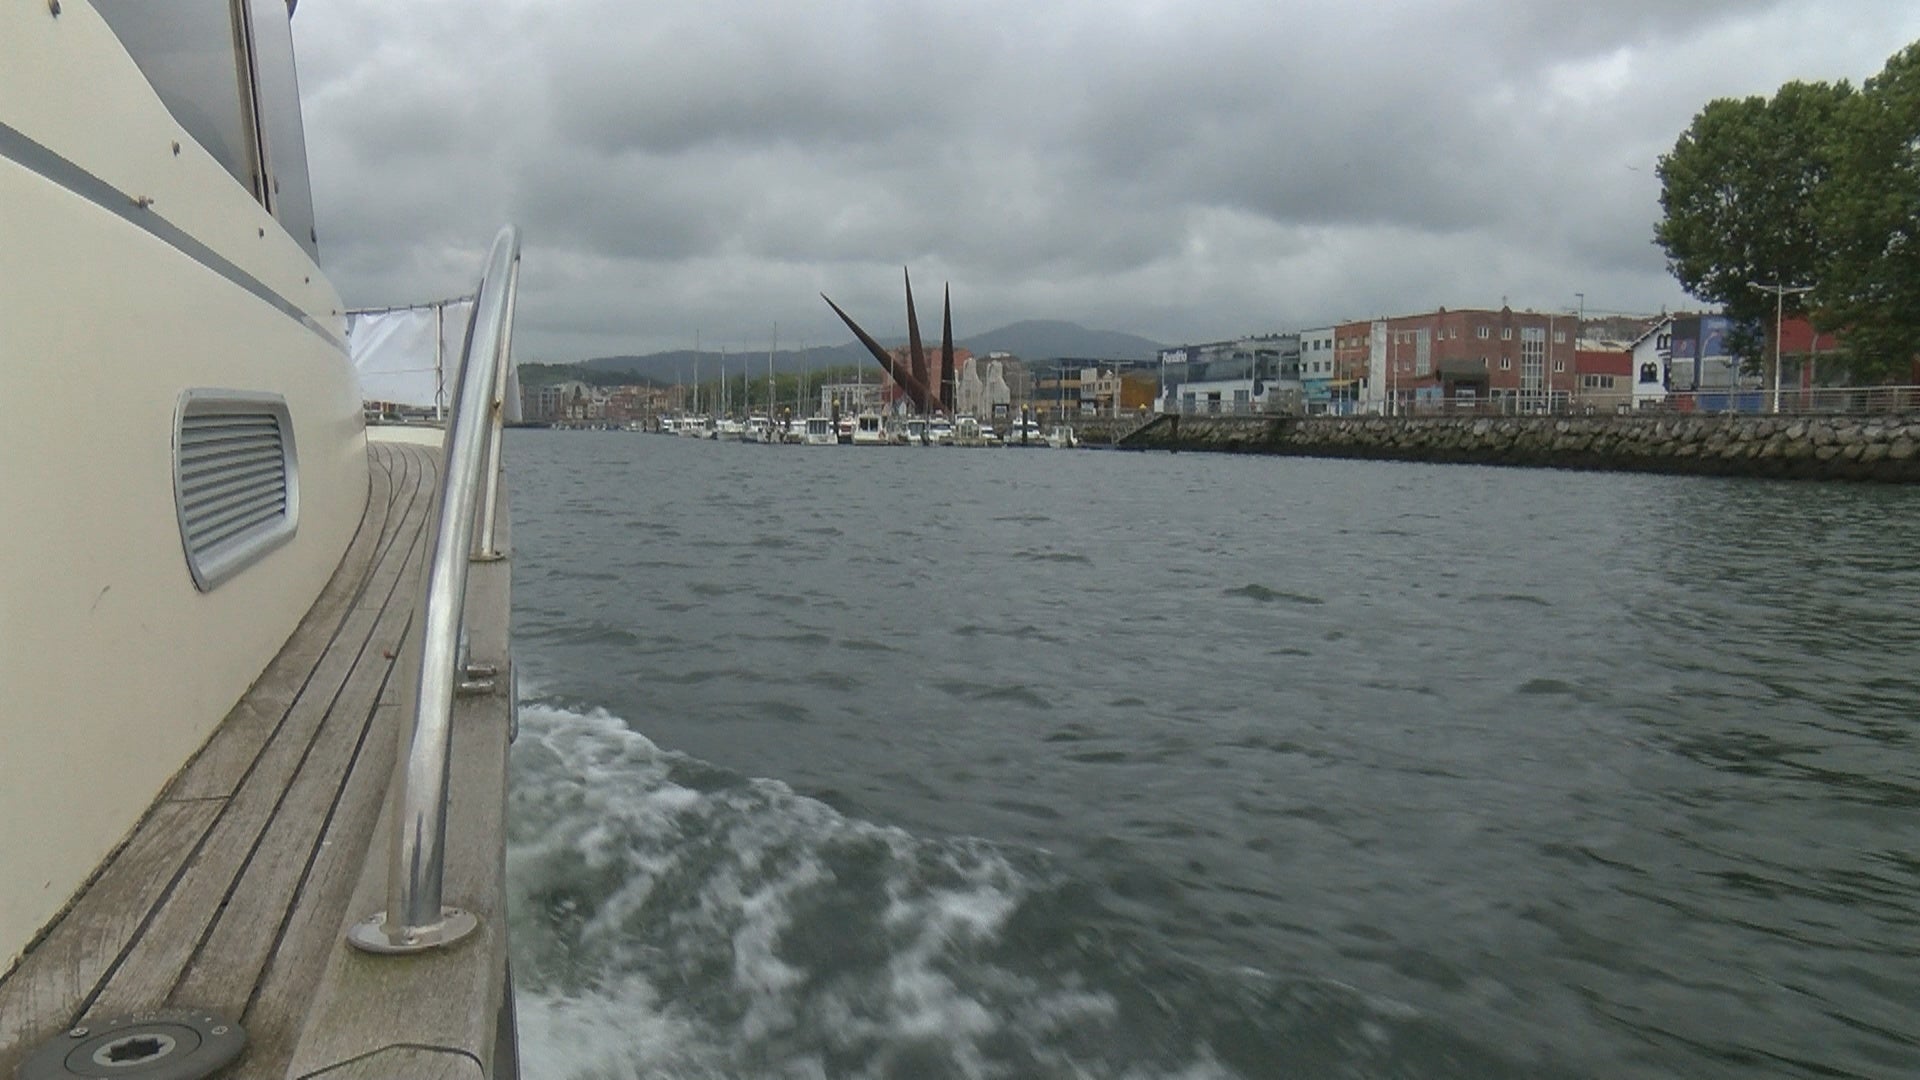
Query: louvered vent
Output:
(235,483)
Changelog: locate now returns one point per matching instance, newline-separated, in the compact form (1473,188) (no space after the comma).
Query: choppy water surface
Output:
(1022,763)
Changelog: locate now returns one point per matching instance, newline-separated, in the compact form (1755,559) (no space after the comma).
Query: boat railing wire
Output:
(461,532)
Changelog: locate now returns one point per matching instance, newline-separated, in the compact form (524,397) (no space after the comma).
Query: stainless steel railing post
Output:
(415,918)
(485,547)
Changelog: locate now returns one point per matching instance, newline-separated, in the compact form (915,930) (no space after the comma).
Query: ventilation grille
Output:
(234,480)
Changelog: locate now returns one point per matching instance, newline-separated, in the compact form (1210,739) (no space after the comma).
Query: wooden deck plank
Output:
(313,927)
(219,766)
(225,973)
(274,1019)
(446,999)
(44,993)
(181,924)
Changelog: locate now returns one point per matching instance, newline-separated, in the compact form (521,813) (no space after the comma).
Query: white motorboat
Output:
(820,432)
(235,616)
(1025,433)
(869,430)
(967,431)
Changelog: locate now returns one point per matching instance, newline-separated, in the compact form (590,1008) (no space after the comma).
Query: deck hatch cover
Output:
(235,480)
(172,1044)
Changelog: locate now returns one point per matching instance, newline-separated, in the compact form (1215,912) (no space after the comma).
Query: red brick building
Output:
(1603,376)
(1519,360)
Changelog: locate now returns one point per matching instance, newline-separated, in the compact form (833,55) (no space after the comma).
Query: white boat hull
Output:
(134,274)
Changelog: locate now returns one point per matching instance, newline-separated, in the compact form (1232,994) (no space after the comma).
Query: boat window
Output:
(247,115)
(277,92)
(188,51)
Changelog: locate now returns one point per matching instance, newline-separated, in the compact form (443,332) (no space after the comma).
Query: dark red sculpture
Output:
(913,377)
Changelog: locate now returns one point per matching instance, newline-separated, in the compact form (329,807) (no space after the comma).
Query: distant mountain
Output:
(1051,339)
(1036,340)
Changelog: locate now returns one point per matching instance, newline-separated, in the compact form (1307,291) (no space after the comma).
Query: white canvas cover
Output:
(395,352)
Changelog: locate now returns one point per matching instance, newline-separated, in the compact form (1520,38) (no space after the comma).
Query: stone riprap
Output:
(1881,448)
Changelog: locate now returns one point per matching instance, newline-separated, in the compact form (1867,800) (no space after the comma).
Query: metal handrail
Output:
(415,918)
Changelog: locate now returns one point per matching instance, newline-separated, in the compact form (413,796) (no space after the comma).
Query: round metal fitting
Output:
(171,1044)
(373,934)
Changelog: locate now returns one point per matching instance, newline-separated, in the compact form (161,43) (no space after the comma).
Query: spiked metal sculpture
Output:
(946,350)
(930,391)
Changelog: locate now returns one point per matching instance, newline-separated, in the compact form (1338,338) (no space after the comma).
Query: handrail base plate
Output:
(371,934)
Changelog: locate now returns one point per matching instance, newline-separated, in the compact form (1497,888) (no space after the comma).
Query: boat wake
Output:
(671,918)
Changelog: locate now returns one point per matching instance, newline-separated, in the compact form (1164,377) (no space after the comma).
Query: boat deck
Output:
(233,892)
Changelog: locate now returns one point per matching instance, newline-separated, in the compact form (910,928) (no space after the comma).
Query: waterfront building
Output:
(1801,348)
(1603,376)
(1651,356)
(849,399)
(1519,361)
(564,401)
(1251,374)
(1317,378)
(1703,364)
(1360,364)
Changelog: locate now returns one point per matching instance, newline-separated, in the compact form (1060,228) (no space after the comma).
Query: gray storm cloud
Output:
(1178,170)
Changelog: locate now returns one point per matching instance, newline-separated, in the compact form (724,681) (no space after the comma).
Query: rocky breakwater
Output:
(1882,448)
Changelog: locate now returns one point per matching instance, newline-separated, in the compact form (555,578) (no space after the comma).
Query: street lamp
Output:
(1779,292)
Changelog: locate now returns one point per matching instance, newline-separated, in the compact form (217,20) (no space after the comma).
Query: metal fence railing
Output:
(1801,401)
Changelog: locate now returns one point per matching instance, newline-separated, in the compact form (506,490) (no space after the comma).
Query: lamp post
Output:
(1779,292)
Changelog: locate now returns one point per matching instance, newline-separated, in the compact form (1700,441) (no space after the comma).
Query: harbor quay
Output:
(1874,448)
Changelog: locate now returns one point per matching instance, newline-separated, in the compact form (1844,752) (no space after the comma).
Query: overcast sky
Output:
(1184,170)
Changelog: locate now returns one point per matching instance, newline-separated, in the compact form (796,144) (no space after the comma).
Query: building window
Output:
(1649,372)
(1559,337)
(1559,365)
(1482,333)
(1506,363)
(1506,333)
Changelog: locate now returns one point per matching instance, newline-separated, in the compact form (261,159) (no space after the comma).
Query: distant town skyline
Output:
(1179,172)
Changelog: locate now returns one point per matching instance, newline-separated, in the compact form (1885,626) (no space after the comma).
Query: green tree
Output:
(1869,214)
(1739,194)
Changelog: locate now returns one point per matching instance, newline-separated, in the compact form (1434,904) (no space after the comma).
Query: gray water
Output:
(923,762)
